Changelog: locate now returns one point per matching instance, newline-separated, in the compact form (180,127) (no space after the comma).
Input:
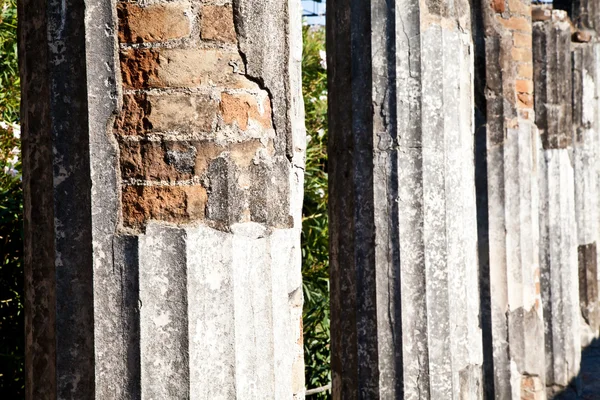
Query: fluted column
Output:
(404,271)
(558,230)
(586,145)
(163,169)
(513,325)
(586,142)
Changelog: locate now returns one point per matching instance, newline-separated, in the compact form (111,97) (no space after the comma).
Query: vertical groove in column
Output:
(514,335)
(558,235)
(402,186)
(118,323)
(164,337)
(211,314)
(253,313)
(385,205)
(586,128)
(244,306)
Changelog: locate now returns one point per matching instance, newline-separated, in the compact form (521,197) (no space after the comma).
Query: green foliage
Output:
(11,212)
(9,68)
(315,231)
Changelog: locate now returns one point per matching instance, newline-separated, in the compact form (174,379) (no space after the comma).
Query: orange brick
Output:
(179,112)
(525,100)
(524,86)
(522,40)
(241,108)
(499,6)
(217,24)
(178,204)
(154,23)
(525,71)
(522,54)
(520,7)
(184,68)
(516,23)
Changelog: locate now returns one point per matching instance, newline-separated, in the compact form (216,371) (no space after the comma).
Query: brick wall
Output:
(196,135)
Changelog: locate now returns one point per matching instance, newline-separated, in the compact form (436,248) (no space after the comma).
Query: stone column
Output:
(586,127)
(586,146)
(558,236)
(163,169)
(404,271)
(513,325)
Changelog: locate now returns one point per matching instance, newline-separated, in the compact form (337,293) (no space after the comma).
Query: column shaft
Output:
(163,170)
(404,269)
(511,269)
(586,128)
(558,231)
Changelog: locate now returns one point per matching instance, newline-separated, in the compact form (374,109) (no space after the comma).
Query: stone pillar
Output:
(163,169)
(558,236)
(404,271)
(586,146)
(586,128)
(515,368)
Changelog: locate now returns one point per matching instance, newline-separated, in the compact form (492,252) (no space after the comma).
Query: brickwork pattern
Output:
(515,17)
(196,134)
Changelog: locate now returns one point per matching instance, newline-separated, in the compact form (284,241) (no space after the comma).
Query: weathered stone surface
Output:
(132,229)
(558,227)
(404,270)
(586,131)
(509,224)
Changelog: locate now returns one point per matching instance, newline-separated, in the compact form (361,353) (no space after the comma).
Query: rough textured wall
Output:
(405,302)
(164,150)
(516,366)
(558,231)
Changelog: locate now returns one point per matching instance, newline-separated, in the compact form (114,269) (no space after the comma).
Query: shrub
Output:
(315,232)
(12,330)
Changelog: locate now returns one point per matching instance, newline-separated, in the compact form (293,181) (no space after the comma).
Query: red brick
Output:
(176,112)
(217,24)
(498,6)
(177,204)
(516,23)
(154,23)
(183,68)
(241,108)
(524,86)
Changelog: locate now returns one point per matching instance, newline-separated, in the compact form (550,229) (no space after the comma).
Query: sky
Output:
(311,7)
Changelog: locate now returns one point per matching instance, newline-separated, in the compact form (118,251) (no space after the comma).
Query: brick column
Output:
(163,171)
(404,274)
(513,325)
(558,235)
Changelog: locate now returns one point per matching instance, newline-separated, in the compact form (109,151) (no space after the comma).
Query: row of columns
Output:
(163,168)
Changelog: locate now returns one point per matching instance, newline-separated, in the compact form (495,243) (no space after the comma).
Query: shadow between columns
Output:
(588,380)
(481,190)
